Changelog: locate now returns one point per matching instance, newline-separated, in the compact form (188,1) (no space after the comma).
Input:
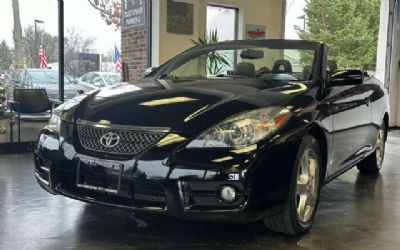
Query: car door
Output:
(349,105)
(379,106)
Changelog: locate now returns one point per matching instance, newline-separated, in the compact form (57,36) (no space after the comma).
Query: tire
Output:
(298,213)
(373,163)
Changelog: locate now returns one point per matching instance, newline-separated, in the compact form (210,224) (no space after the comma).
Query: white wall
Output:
(382,41)
(388,59)
(394,85)
(166,45)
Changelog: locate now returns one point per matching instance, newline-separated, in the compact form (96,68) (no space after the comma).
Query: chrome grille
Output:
(132,142)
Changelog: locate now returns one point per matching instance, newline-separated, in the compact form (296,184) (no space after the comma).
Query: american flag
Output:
(42,57)
(117,61)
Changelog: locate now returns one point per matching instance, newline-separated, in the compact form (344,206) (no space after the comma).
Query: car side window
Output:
(18,76)
(87,78)
(27,77)
(95,79)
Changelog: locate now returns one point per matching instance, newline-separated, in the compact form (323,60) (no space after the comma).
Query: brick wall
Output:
(134,50)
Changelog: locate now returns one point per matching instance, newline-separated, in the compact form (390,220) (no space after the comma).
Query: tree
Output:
(75,43)
(350,28)
(17,34)
(110,11)
(5,56)
(31,46)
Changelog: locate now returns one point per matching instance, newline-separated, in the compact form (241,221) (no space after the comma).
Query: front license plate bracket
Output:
(99,176)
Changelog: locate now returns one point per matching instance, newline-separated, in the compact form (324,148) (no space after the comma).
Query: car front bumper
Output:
(182,191)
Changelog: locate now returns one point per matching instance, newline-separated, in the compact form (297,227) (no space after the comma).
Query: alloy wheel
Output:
(380,147)
(307,185)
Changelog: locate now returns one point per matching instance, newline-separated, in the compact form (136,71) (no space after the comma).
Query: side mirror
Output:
(75,81)
(346,77)
(149,71)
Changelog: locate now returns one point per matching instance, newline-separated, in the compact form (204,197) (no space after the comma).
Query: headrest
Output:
(331,65)
(287,67)
(245,69)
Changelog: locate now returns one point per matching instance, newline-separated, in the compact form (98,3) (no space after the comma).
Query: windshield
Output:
(45,76)
(112,79)
(246,62)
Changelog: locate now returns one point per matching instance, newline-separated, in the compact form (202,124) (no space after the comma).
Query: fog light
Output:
(227,194)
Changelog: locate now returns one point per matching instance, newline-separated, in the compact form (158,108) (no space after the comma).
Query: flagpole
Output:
(36,21)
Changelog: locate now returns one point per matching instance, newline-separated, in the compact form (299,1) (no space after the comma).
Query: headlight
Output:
(55,119)
(243,130)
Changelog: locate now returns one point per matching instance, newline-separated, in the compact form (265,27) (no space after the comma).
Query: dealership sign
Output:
(133,13)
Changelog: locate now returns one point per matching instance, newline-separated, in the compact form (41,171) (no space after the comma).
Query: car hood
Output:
(184,106)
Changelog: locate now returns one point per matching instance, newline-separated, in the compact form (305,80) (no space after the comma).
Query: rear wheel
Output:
(299,211)
(373,163)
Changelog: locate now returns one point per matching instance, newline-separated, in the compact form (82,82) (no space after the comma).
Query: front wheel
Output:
(299,211)
(374,162)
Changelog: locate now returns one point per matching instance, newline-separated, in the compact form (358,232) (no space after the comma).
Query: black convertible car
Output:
(238,131)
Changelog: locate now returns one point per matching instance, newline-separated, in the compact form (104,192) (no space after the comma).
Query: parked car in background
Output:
(47,79)
(100,79)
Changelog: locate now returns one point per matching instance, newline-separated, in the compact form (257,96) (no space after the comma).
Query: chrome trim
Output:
(44,169)
(123,127)
(41,179)
(114,150)
(181,187)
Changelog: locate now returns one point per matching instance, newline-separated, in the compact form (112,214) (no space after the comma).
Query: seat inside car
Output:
(245,69)
(282,66)
(331,66)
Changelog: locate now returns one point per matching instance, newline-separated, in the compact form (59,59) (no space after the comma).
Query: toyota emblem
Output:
(109,140)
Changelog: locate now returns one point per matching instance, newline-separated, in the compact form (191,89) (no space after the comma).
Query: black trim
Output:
(61,50)
(149,25)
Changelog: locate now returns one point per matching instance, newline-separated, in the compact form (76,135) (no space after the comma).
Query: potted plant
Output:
(216,62)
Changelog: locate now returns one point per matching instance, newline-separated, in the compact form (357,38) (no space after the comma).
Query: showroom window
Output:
(224,20)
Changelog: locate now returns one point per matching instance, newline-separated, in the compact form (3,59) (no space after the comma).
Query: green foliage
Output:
(3,113)
(5,56)
(3,107)
(216,62)
(349,27)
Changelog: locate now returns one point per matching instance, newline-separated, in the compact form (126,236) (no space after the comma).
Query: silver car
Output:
(100,79)
(46,79)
